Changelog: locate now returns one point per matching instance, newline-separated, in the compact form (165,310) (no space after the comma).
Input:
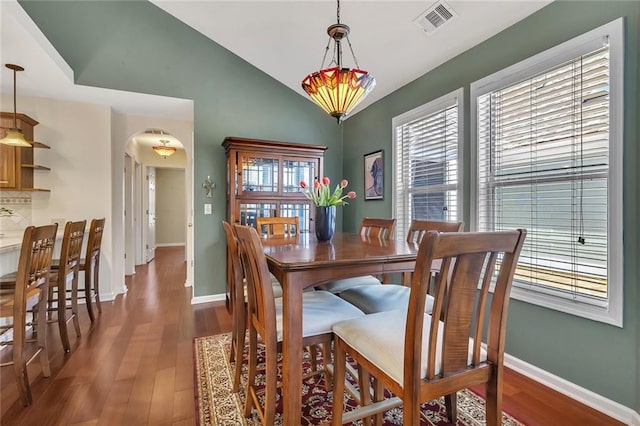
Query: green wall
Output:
(599,357)
(137,47)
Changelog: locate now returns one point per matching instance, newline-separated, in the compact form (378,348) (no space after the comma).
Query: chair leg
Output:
(251,372)
(378,395)
(326,360)
(494,398)
(19,363)
(364,383)
(271,385)
(62,316)
(451,405)
(239,351)
(96,287)
(74,303)
(42,336)
(339,371)
(87,294)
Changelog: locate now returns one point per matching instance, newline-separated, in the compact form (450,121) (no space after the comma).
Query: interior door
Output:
(151,214)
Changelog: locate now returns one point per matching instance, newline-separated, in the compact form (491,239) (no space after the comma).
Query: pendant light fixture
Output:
(336,89)
(14,136)
(163,150)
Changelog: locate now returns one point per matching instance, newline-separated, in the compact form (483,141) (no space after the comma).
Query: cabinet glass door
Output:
(249,211)
(294,171)
(301,210)
(257,174)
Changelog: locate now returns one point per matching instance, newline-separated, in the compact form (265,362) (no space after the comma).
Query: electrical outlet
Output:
(207,209)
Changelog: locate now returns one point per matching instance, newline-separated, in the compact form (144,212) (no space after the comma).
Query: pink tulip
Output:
(326,181)
(316,184)
(344,183)
(351,194)
(303,184)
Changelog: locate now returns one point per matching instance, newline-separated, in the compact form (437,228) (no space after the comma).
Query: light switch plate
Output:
(207,209)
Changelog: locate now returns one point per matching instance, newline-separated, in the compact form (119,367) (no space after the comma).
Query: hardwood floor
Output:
(134,365)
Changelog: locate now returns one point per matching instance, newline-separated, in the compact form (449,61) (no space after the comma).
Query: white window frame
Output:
(612,312)
(438,104)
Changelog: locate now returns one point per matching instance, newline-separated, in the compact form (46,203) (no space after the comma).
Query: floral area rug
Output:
(217,405)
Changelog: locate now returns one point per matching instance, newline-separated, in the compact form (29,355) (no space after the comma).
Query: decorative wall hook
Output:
(208,185)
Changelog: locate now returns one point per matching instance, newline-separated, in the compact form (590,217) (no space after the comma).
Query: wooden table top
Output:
(343,250)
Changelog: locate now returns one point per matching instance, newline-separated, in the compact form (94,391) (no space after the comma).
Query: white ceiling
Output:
(285,39)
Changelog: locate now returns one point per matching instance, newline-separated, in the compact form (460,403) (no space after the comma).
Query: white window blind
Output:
(427,169)
(543,164)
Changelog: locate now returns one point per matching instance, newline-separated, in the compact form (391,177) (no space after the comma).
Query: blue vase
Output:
(325,222)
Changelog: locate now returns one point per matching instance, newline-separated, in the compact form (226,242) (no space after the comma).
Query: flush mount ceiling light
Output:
(163,150)
(14,136)
(336,89)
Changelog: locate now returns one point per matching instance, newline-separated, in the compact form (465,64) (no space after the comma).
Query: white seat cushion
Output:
(320,310)
(341,285)
(387,297)
(380,338)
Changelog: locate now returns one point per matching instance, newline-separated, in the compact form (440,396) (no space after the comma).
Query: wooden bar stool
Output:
(66,273)
(90,265)
(30,289)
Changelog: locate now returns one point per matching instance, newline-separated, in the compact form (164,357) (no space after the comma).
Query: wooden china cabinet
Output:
(263,180)
(17,163)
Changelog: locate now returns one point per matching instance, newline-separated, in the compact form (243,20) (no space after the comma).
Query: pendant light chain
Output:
(15,111)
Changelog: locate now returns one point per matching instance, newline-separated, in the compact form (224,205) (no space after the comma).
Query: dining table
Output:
(303,261)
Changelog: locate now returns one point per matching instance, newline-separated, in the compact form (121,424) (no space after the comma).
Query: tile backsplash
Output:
(20,204)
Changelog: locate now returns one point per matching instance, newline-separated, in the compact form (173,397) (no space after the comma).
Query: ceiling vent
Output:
(435,17)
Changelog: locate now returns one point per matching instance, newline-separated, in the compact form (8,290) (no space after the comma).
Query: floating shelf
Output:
(24,190)
(40,145)
(34,167)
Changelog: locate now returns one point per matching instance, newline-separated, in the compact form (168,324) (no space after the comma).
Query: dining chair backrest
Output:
(260,297)
(461,300)
(71,249)
(379,228)
(419,228)
(278,227)
(94,244)
(236,276)
(34,266)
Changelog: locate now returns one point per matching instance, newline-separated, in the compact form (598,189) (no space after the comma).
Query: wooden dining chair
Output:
(387,297)
(282,227)
(418,358)
(63,287)
(238,302)
(31,288)
(320,309)
(372,228)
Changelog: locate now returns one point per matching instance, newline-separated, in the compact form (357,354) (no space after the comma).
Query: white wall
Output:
(86,180)
(79,135)
(170,212)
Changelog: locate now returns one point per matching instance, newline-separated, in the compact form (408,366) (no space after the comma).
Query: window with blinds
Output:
(427,170)
(543,162)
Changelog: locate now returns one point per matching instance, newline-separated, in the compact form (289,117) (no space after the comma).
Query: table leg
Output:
(292,353)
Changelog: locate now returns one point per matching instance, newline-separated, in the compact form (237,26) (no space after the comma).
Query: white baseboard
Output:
(598,402)
(206,299)
(170,244)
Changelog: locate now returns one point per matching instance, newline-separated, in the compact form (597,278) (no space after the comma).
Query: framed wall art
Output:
(374,175)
